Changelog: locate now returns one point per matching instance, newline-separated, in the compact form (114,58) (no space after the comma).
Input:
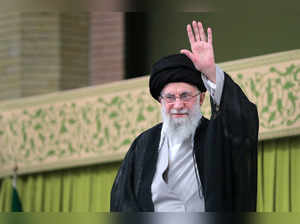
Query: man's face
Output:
(180,108)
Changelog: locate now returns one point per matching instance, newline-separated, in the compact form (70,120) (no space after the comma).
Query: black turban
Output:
(174,68)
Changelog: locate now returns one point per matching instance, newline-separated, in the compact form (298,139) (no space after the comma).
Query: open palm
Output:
(202,52)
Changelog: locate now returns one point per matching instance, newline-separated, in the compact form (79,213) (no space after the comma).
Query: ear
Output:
(202,97)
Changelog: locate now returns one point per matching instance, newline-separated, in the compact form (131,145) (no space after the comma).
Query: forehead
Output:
(179,87)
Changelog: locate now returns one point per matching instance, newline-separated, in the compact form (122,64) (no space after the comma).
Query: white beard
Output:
(182,128)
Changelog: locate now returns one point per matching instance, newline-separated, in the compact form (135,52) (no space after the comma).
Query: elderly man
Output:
(189,163)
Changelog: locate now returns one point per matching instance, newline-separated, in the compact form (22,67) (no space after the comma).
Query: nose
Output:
(178,104)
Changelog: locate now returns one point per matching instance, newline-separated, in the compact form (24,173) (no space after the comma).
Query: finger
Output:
(190,34)
(201,31)
(209,35)
(196,31)
(188,53)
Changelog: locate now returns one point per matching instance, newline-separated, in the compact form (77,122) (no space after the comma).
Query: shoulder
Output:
(148,137)
(150,134)
(145,144)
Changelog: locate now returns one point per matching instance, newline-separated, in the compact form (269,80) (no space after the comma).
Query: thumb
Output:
(189,54)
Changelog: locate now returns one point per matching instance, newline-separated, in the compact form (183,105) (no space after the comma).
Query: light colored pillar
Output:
(40,46)
(10,56)
(44,52)
(74,50)
(106,47)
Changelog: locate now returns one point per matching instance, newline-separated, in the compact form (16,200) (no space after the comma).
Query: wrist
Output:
(210,73)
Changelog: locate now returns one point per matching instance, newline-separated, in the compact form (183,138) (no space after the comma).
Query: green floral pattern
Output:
(275,92)
(98,125)
(77,128)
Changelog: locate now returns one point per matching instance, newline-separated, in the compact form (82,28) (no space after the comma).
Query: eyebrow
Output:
(185,92)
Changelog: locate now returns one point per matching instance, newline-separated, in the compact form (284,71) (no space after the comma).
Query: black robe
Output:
(225,148)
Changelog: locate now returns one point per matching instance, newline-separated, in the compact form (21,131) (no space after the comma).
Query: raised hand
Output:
(202,52)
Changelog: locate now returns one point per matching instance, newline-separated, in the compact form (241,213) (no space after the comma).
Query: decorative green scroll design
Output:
(276,94)
(76,128)
(98,124)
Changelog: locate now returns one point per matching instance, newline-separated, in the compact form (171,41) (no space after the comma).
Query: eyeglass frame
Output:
(190,97)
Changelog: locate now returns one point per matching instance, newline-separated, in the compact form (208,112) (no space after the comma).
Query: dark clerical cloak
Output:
(225,149)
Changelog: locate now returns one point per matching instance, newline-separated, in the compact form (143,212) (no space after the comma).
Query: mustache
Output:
(182,111)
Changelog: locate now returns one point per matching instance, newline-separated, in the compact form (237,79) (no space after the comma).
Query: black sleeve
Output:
(240,120)
(123,198)
(231,152)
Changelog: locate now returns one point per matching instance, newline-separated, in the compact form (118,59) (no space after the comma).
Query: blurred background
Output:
(44,50)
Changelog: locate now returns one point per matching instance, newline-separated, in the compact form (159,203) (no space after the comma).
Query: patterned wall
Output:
(98,124)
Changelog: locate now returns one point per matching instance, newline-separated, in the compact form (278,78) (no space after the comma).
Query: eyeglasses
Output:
(184,97)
